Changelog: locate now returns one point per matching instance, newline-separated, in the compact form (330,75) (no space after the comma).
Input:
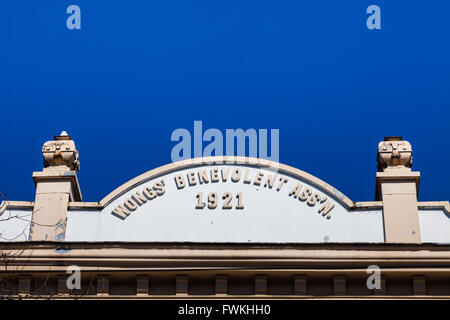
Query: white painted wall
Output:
(434,226)
(15,225)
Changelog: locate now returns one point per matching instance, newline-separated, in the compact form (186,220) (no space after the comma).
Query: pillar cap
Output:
(61,152)
(60,175)
(394,162)
(394,153)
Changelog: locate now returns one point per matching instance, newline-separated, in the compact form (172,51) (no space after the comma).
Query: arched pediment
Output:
(229,161)
(226,199)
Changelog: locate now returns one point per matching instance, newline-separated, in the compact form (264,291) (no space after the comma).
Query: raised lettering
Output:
(236,175)
(258,178)
(203,176)
(179,180)
(121,212)
(295,190)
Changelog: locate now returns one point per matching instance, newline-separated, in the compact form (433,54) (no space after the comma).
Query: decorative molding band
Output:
(10,205)
(435,205)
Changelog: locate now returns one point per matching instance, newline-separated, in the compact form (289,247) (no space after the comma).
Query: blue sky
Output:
(137,70)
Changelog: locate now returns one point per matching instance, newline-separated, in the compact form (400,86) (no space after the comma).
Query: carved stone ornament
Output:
(394,152)
(61,152)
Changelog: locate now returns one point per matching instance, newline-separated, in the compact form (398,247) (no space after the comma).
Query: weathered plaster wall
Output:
(15,224)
